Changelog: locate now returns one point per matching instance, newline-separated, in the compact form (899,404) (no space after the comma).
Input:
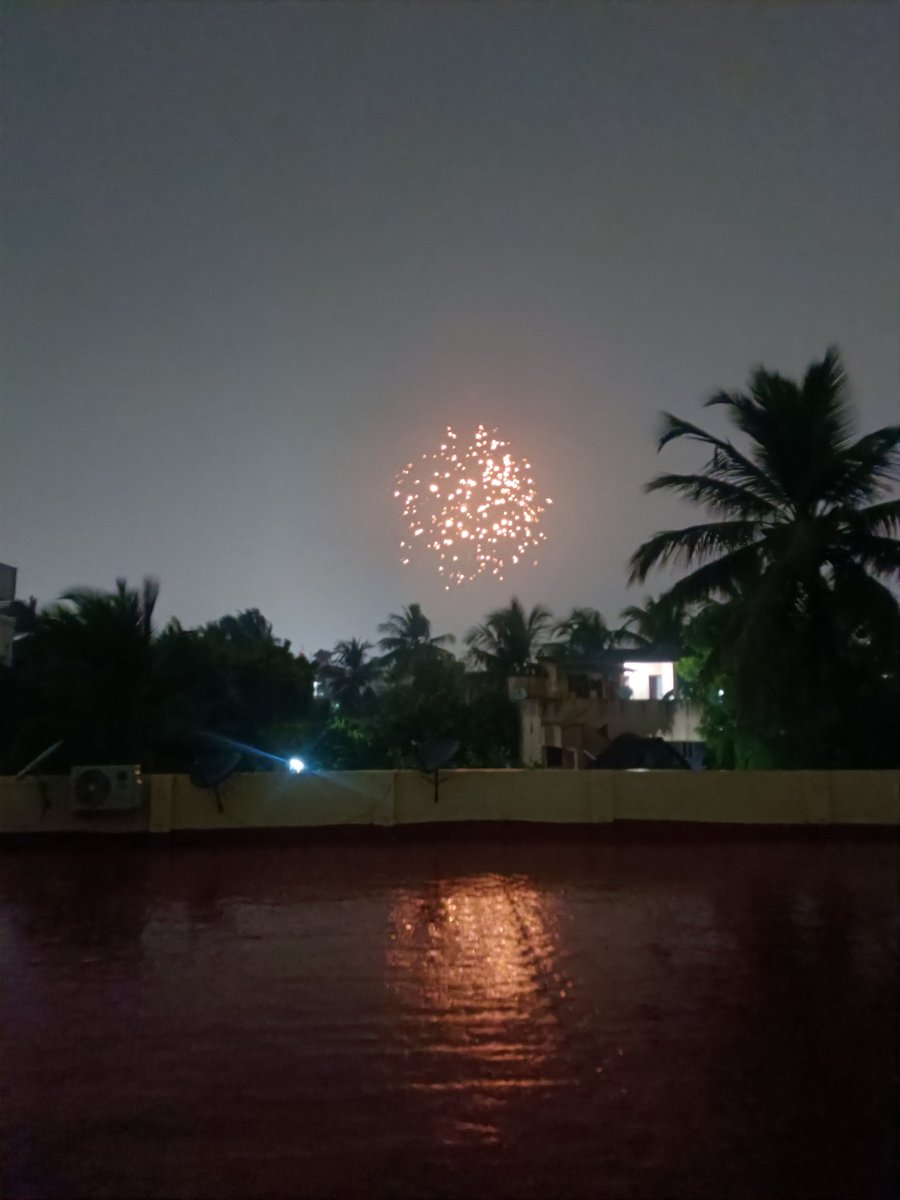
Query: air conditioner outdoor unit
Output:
(105,789)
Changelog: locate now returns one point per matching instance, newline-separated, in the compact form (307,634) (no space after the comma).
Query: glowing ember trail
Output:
(474,508)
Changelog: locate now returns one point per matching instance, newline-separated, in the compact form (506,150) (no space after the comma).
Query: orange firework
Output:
(475,509)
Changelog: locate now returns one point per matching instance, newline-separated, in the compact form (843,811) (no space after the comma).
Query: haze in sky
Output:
(256,257)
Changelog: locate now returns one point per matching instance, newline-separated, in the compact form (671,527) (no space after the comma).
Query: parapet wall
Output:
(281,801)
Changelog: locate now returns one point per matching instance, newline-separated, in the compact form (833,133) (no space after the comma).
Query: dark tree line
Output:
(92,671)
(786,626)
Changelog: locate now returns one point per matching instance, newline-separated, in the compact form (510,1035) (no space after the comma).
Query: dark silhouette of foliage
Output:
(350,676)
(582,640)
(509,641)
(655,623)
(84,674)
(94,673)
(408,643)
(805,639)
(440,700)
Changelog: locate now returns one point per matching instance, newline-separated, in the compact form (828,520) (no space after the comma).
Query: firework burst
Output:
(473,508)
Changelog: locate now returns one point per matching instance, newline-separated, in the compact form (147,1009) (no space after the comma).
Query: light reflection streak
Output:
(474,967)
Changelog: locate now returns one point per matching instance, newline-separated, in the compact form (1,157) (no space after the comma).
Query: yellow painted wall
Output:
(281,801)
(405,797)
(558,796)
(42,806)
(857,798)
(769,797)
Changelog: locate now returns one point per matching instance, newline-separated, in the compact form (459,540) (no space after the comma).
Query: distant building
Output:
(321,660)
(7,621)
(567,719)
(17,617)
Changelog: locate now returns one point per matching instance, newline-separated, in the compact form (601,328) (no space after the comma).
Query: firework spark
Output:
(475,509)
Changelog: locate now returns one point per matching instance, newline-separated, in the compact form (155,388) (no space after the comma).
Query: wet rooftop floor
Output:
(433,1017)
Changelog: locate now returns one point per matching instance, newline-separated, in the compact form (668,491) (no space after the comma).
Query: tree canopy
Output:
(796,560)
(408,643)
(509,640)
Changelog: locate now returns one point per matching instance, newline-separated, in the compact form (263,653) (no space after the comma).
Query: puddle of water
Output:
(440,1019)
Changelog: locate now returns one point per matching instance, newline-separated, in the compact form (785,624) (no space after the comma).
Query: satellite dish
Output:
(36,762)
(437,753)
(212,765)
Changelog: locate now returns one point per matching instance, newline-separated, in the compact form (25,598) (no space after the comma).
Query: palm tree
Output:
(585,638)
(798,509)
(350,675)
(129,609)
(408,643)
(656,623)
(802,539)
(509,640)
(87,667)
(248,628)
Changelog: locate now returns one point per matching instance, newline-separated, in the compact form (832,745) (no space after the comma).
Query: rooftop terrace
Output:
(582,1013)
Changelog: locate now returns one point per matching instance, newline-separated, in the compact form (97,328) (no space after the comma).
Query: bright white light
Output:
(296,765)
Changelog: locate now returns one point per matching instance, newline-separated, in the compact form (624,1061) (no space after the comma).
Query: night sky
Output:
(256,256)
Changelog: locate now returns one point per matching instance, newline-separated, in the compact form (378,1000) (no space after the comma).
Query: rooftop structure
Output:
(567,719)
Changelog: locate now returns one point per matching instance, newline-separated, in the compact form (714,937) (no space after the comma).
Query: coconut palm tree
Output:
(584,637)
(87,668)
(509,641)
(408,642)
(801,509)
(803,538)
(350,675)
(247,628)
(128,609)
(655,623)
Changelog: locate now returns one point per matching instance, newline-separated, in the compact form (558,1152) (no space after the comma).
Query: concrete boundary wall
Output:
(170,804)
